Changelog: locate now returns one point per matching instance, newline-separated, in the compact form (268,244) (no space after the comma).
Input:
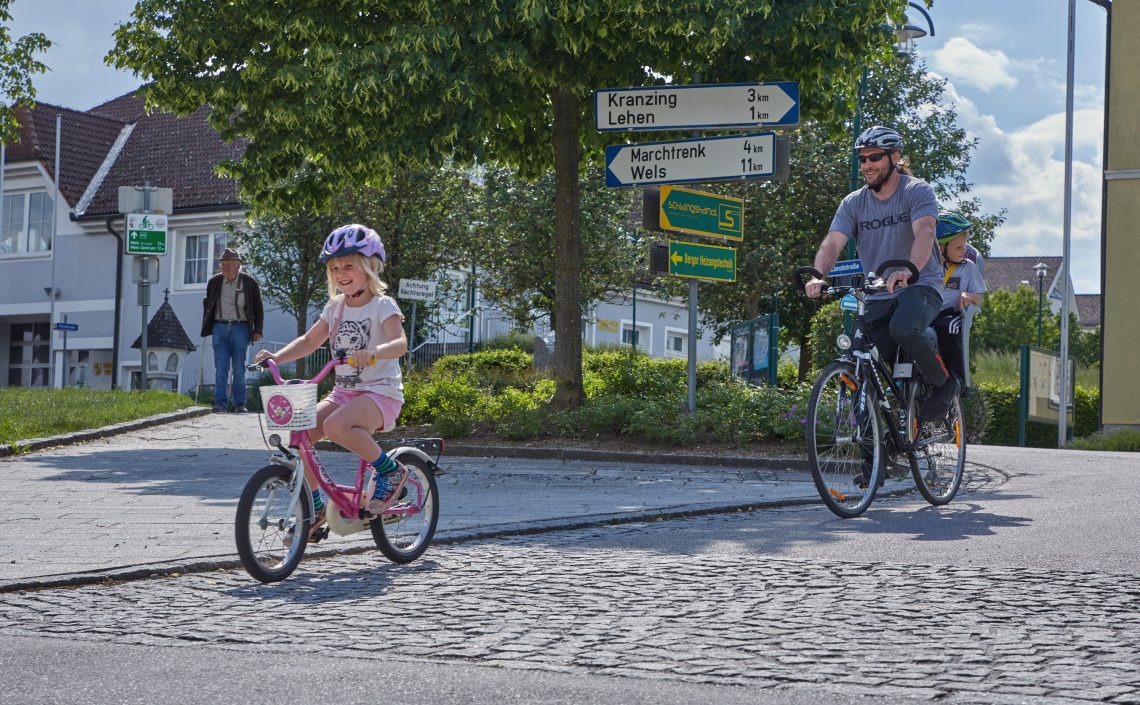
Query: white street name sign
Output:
(728,105)
(699,159)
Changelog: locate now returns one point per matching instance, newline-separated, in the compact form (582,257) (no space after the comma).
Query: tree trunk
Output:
(567,253)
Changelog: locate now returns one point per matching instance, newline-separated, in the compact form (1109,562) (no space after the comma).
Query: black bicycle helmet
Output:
(881,137)
(348,239)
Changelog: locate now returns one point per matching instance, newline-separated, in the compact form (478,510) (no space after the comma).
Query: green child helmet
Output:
(951,224)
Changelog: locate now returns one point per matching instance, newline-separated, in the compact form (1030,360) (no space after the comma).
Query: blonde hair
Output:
(370,265)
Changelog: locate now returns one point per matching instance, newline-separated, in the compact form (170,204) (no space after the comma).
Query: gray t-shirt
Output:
(965,277)
(882,229)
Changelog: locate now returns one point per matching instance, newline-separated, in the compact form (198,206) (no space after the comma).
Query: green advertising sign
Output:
(688,211)
(146,234)
(689,259)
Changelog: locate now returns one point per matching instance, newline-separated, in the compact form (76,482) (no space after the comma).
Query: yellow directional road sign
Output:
(689,259)
(700,213)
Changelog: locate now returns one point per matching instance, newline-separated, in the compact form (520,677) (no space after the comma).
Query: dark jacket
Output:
(255,313)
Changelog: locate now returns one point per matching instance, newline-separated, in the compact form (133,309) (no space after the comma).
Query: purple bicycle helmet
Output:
(348,239)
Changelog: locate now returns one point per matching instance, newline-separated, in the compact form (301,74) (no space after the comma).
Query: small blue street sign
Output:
(846,268)
(67,326)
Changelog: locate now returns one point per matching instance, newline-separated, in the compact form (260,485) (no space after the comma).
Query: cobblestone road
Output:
(586,601)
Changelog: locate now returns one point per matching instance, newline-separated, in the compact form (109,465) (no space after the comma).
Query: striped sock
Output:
(384,464)
(318,502)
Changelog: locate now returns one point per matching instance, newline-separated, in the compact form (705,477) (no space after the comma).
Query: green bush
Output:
(1123,440)
(510,341)
(503,360)
(1002,399)
(629,394)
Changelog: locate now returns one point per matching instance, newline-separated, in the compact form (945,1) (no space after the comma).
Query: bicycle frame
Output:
(349,499)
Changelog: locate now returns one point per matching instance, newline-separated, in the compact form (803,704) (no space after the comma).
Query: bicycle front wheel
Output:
(939,451)
(843,441)
(404,531)
(270,538)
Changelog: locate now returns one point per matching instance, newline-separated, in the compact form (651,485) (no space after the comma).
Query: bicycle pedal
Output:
(319,534)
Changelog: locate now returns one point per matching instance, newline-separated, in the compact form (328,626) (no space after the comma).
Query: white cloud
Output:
(965,62)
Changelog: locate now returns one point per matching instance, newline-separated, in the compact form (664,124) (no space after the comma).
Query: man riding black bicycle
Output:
(893,216)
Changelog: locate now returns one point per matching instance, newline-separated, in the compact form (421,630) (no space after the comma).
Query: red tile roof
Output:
(168,151)
(85,140)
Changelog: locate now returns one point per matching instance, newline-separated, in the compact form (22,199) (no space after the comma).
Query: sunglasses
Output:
(873,158)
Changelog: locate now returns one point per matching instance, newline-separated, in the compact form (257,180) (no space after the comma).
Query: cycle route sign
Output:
(700,213)
(146,234)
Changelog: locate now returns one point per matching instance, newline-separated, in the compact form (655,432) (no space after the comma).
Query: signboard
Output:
(1044,393)
(696,261)
(146,234)
(845,268)
(66,326)
(419,289)
(699,159)
(729,105)
(700,213)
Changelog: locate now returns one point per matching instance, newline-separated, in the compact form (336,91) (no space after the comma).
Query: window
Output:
(676,343)
(29,354)
(25,225)
(640,337)
(172,362)
(200,255)
(152,362)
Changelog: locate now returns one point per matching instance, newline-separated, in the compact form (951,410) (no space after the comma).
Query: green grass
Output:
(1126,440)
(1002,368)
(37,413)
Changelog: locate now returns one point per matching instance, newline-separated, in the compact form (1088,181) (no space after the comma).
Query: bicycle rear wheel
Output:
(406,528)
(939,451)
(270,538)
(843,441)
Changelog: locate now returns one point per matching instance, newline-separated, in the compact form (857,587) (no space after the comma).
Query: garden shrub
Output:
(1001,401)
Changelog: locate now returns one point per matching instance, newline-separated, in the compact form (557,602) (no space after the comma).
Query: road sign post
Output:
(697,107)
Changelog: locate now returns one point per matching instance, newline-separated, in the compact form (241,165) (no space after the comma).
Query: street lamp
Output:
(1040,268)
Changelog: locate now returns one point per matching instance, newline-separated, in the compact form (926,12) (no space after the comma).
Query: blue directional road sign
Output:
(845,268)
(66,326)
(700,159)
(727,105)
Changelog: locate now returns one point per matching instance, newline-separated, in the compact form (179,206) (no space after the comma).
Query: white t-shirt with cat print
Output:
(359,328)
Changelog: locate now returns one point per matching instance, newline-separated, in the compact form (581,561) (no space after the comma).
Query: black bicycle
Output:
(863,423)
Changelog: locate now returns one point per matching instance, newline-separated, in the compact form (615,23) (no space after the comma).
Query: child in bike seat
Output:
(368,326)
(963,286)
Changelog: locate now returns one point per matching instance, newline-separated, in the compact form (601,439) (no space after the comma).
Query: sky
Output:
(1004,61)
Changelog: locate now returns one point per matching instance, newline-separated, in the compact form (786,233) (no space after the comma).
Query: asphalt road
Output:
(1022,590)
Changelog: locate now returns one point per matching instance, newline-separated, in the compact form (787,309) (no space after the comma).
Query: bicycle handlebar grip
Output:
(799,272)
(905,263)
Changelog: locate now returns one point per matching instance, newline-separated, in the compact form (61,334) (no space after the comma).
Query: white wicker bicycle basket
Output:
(290,407)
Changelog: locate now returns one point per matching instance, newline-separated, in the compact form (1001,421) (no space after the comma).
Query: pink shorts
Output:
(389,407)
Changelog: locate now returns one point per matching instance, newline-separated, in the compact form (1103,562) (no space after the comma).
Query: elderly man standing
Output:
(233,314)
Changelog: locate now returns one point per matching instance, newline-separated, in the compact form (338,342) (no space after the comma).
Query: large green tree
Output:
(330,92)
(515,236)
(17,66)
(421,216)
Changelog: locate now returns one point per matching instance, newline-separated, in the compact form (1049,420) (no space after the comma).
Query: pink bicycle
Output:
(275,513)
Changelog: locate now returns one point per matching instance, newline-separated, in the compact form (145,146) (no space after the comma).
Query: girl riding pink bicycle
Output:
(282,507)
(368,326)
